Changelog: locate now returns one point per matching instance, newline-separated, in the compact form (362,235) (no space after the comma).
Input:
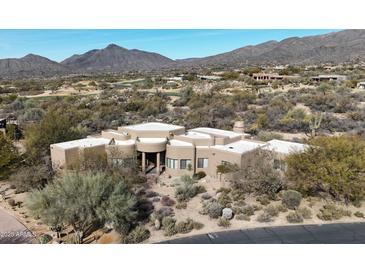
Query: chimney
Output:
(238,127)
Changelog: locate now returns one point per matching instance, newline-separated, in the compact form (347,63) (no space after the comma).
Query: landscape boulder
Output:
(227,213)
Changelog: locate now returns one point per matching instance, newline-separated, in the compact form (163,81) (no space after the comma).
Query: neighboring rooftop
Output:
(153,127)
(216,132)
(284,147)
(241,146)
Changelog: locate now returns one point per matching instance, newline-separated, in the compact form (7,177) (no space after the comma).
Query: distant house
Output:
(361,85)
(209,77)
(329,77)
(271,76)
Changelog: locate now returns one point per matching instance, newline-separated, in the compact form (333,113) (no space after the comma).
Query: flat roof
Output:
(85,142)
(284,147)
(178,143)
(216,132)
(196,135)
(240,147)
(91,142)
(155,126)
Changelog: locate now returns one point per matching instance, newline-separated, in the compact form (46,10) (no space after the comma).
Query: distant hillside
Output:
(114,58)
(336,47)
(30,65)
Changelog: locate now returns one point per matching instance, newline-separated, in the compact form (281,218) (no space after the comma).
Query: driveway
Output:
(13,231)
(340,233)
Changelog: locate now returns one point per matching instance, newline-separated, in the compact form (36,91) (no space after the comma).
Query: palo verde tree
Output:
(84,201)
(335,165)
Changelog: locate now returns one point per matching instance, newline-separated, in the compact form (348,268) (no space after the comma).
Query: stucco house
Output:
(169,148)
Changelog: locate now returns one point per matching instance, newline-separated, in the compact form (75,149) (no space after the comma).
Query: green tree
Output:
(8,155)
(84,201)
(335,165)
(57,125)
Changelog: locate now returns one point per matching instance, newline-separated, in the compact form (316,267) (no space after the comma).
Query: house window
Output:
(185,163)
(202,162)
(225,163)
(172,163)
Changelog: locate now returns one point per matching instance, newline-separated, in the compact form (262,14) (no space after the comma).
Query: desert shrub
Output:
(264,218)
(257,207)
(198,225)
(44,238)
(334,165)
(281,208)
(32,177)
(359,214)
(206,196)
(214,210)
(181,205)
(225,199)
(185,226)
(227,168)
(291,199)
(165,212)
(272,210)
(243,217)
(331,212)
(238,195)
(11,202)
(263,200)
(294,217)
(168,224)
(267,136)
(248,210)
(224,222)
(257,174)
(167,201)
(356,203)
(137,235)
(151,194)
(305,212)
(199,175)
(187,189)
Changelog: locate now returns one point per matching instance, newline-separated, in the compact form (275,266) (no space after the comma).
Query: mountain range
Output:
(335,47)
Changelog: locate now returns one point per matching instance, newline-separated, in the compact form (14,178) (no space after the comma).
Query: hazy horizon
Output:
(175,44)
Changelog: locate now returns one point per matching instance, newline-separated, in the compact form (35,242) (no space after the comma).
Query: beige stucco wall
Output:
(215,158)
(151,147)
(120,151)
(58,157)
(180,153)
(195,141)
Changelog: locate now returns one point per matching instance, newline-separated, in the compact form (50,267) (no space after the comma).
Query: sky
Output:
(58,45)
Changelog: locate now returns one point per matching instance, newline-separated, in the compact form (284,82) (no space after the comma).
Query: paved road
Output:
(12,231)
(344,233)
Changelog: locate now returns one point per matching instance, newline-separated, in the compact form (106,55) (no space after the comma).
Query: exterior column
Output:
(144,162)
(158,163)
